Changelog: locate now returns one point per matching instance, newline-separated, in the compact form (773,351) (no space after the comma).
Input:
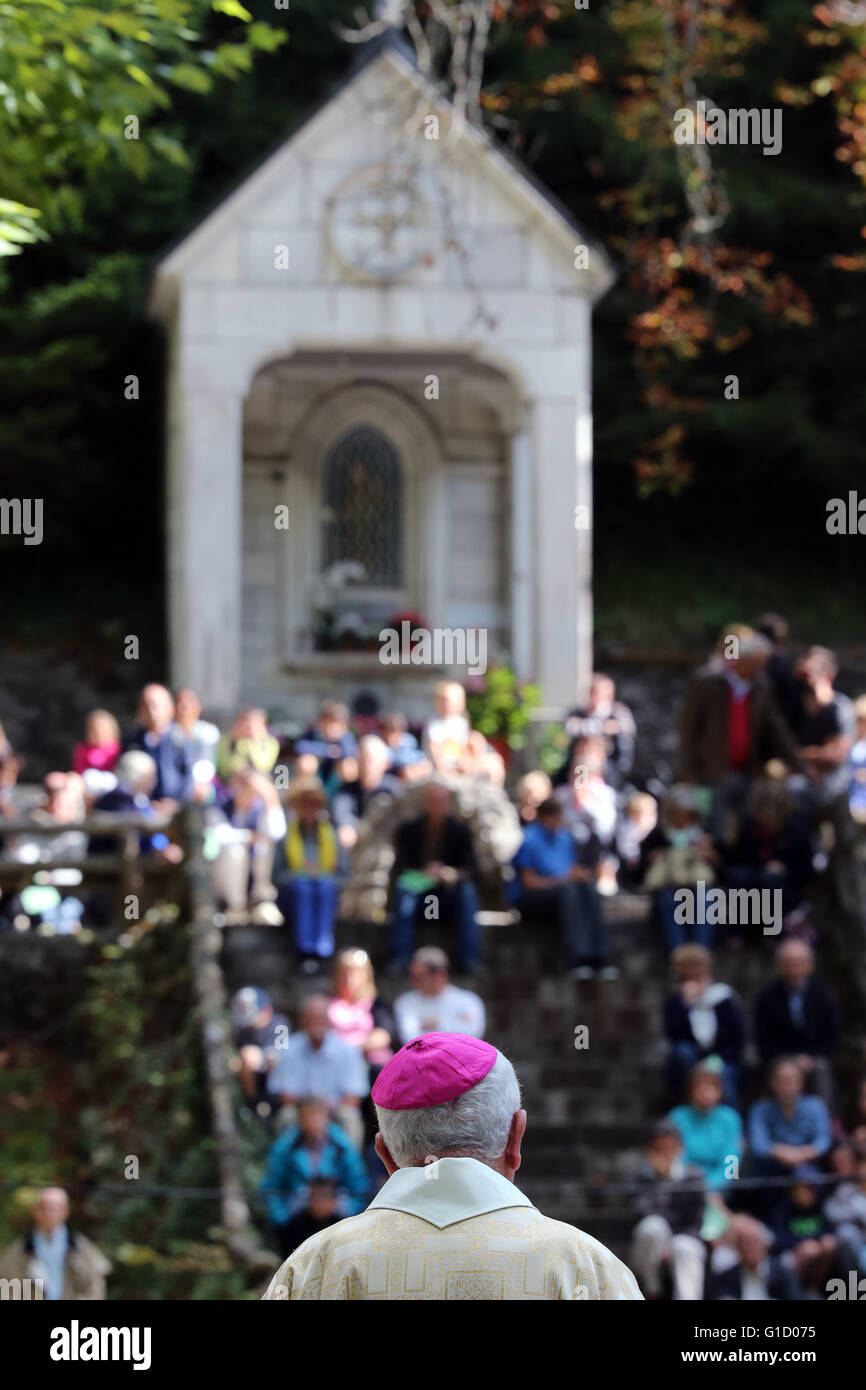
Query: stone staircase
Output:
(589,1107)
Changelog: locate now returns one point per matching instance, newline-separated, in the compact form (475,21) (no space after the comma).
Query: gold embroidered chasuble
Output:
(455,1229)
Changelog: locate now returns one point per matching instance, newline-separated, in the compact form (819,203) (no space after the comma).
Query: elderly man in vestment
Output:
(449,1222)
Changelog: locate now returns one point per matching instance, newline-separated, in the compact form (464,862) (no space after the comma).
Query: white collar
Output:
(448,1190)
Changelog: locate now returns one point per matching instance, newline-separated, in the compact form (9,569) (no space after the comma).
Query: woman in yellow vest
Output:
(307,874)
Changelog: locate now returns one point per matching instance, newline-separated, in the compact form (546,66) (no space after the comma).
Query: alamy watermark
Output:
(21,1290)
(710,125)
(438,646)
(22,516)
(732,907)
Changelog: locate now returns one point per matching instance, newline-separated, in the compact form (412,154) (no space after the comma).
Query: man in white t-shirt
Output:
(433,1005)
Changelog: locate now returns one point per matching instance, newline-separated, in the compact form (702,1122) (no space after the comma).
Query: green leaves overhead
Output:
(79,83)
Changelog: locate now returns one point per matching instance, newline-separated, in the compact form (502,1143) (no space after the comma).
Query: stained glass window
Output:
(363,504)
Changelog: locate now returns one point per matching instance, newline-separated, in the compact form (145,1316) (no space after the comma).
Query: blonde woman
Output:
(357,1013)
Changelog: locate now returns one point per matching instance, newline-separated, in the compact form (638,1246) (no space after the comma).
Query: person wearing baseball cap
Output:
(449,1222)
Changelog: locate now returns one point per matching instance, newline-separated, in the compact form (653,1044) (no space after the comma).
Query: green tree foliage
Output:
(79,81)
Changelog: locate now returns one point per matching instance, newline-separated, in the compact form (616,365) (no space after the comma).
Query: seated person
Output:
(307,874)
(797,1015)
(201,739)
(433,1004)
(603,715)
(406,760)
(556,877)
(678,854)
(451,743)
(329,740)
(711,1131)
(321,1209)
(588,802)
(639,820)
(741,1267)
(666,1243)
(352,798)
(803,1233)
(845,1211)
(434,872)
(357,1012)
(137,778)
(703,1018)
(155,735)
(773,848)
(788,1132)
(101,747)
(312,1150)
(63,805)
(857,764)
(253,822)
(318,1064)
(247,745)
(532,789)
(258,1033)
(855,1125)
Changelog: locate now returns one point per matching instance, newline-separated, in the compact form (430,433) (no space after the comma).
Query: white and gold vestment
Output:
(455,1229)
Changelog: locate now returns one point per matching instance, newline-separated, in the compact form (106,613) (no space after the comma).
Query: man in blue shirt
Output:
(317,1062)
(552,880)
(788,1132)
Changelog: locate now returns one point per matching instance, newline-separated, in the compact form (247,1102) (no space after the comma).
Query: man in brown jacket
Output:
(51,1261)
(730,726)
(714,741)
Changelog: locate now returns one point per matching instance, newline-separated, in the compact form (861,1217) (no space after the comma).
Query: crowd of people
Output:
(735,1199)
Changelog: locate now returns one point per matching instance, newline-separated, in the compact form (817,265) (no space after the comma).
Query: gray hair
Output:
(135,769)
(474,1125)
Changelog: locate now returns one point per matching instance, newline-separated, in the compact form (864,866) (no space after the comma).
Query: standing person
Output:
(798,1016)
(670,1201)
(69,1266)
(433,1004)
(557,877)
(434,859)
(154,735)
(729,727)
(450,1105)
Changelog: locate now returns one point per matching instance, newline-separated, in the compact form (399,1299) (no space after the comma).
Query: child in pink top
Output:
(101,746)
